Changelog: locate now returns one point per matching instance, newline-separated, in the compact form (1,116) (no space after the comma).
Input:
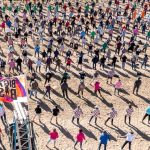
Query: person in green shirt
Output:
(148,35)
(65,76)
(93,33)
(9,8)
(50,8)
(3,9)
(34,8)
(27,7)
(104,46)
(56,8)
(86,8)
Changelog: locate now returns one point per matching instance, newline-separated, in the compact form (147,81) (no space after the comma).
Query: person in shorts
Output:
(53,136)
(55,113)
(38,112)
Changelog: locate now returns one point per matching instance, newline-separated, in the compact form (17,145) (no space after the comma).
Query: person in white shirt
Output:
(129,138)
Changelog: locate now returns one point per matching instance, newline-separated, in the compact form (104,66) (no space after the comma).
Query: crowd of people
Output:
(68,35)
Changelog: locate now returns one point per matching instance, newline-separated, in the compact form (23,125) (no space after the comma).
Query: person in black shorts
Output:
(55,113)
(38,112)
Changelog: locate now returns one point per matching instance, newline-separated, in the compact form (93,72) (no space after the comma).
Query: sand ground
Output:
(67,131)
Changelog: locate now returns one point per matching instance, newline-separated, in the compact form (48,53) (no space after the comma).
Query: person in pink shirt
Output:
(135,32)
(10,56)
(79,139)
(11,64)
(53,136)
(118,86)
(97,88)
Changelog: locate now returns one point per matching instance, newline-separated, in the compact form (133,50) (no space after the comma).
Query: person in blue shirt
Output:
(8,23)
(104,138)
(56,54)
(82,35)
(147,114)
(37,50)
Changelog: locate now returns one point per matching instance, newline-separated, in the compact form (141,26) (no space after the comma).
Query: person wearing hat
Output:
(129,138)
(103,140)
(95,113)
(137,85)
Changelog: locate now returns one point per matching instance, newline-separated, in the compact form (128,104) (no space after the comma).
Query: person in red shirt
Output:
(53,136)
(65,7)
(79,139)
(68,62)
(67,24)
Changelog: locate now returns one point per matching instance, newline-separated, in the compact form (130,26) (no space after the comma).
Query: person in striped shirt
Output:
(112,115)
(95,114)
(129,112)
(77,113)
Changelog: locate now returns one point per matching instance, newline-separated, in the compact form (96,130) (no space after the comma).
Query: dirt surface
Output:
(66,129)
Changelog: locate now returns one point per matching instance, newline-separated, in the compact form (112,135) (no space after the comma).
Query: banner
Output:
(13,89)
